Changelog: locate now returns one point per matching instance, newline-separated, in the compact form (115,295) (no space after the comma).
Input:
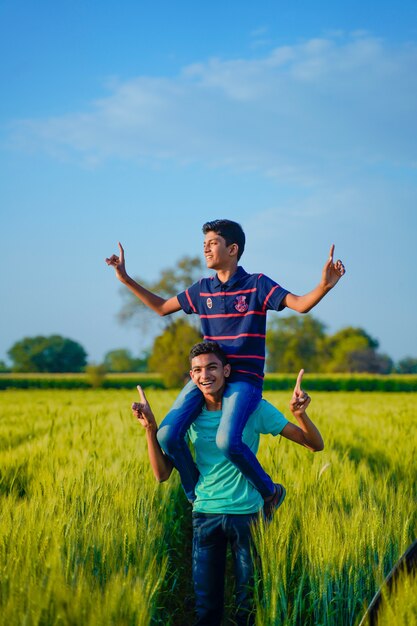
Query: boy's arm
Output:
(306,433)
(151,300)
(332,273)
(160,463)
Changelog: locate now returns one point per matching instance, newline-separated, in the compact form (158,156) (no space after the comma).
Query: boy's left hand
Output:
(332,272)
(300,399)
(143,412)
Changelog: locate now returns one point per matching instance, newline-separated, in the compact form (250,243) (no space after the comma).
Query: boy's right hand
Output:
(300,399)
(332,271)
(118,262)
(143,412)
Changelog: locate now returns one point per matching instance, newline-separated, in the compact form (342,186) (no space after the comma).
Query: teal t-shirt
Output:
(222,488)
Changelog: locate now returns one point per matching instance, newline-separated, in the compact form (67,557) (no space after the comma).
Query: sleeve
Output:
(189,299)
(270,294)
(269,421)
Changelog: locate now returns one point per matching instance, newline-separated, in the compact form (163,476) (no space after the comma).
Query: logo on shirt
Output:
(209,303)
(240,304)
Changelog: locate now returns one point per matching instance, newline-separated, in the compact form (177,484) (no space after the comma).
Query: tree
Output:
(368,360)
(408,365)
(47,354)
(353,350)
(170,352)
(122,360)
(295,342)
(95,374)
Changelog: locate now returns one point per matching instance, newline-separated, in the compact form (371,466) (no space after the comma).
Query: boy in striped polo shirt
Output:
(232,306)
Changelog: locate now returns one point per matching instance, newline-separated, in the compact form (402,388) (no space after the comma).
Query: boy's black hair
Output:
(232,232)
(208,347)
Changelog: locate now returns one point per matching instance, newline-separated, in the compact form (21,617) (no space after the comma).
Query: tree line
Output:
(293,341)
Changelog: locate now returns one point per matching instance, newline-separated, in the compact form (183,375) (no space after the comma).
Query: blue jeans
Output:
(239,401)
(211,535)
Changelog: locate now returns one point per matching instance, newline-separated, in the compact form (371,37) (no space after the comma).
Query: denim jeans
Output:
(211,535)
(239,401)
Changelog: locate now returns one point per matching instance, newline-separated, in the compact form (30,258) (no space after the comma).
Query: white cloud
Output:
(300,113)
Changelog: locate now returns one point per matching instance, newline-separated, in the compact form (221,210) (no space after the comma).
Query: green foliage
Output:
(3,367)
(95,375)
(399,604)
(170,352)
(122,360)
(87,536)
(273,382)
(83,532)
(294,342)
(347,382)
(408,365)
(349,513)
(47,354)
(77,381)
(353,350)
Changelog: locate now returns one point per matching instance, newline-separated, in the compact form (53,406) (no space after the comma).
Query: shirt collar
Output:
(240,273)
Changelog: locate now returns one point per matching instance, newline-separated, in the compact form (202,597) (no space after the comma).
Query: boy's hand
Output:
(118,262)
(300,399)
(143,412)
(332,272)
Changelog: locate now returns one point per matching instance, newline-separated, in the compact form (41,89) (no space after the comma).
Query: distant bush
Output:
(95,375)
(273,382)
(408,365)
(346,382)
(77,381)
(47,354)
(174,365)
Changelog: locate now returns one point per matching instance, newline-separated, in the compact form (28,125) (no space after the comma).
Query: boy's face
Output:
(209,374)
(217,254)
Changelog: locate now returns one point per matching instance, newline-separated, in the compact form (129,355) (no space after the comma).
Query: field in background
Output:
(88,537)
(273,382)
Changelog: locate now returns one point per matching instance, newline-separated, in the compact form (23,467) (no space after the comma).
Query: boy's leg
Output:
(209,561)
(239,401)
(171,435)
(240,537)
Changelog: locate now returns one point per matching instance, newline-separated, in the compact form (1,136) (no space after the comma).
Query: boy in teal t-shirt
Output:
(222,488)
(226,504)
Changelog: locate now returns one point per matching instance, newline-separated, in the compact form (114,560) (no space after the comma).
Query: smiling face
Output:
(209,374)
(219,256)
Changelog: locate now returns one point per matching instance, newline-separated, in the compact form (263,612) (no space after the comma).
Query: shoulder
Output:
(202,284)
(254,277)
(262,278)
(258,279)
(268,419)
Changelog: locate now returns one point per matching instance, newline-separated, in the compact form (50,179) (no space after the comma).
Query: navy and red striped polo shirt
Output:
(234,315)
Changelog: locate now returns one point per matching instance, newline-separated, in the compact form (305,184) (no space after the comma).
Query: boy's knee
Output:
(231,449)
(167,439)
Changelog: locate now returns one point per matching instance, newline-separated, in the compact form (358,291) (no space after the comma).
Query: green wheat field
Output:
(88,537)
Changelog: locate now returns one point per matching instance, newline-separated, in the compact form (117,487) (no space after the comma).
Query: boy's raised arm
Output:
(151,300)
(160,463)
(331,274)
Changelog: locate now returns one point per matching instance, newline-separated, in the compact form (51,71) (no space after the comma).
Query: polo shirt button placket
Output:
(223,289)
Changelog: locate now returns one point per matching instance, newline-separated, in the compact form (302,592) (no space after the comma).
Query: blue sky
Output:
(139,121)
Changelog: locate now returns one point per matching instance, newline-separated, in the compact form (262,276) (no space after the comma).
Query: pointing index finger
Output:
(331,252)
(141,394)
(299,379)
(122,252)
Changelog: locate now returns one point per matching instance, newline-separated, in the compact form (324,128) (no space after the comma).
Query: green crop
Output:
(88,537)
